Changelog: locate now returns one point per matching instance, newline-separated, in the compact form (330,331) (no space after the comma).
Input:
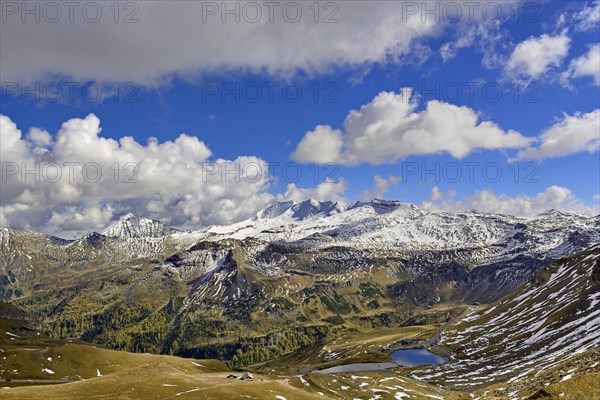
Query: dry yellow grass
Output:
(162,381)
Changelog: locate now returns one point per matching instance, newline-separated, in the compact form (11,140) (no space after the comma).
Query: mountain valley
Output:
(512,302)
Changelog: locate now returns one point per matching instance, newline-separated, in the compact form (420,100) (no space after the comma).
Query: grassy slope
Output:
(580,387)
(73,361)
(161,381)
(362,346)
(124,375)
(145,376)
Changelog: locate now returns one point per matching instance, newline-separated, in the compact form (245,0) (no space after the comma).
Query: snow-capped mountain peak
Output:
(313,207)
(131,225)
(381,206)
(396,224)
(274,210)
(300,211)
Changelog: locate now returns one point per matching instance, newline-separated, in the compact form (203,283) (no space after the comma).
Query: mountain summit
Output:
(301,210)
(133,226)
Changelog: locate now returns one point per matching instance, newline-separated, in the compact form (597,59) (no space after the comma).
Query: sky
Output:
(200,112)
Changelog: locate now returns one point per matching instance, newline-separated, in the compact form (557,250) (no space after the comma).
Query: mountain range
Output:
(329,238)
(298,272)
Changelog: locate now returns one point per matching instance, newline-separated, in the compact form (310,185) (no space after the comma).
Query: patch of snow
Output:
(187,391)
(304,381)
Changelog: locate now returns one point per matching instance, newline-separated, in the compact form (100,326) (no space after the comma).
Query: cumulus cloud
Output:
(534,56)
(587,65)
(389,128)
(81,219)
(329,190)
(437,194)
(321,145)
(572,134)
(380,187)
(554,197)
(83,180)
(39,137)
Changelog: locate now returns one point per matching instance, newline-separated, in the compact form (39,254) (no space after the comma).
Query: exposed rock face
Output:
(535,328)
(15,320)
(310,263)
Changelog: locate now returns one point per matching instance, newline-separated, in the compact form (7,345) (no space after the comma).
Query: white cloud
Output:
(572,134)
(554,197)
(39,137)
(77,219)
(533,57)
(154,49)
(389,128)
(380,187)
(587,65)
(177,181)
(437,194)
(329,190)
(449,50)
(321,145)
(486,36)
(588,18)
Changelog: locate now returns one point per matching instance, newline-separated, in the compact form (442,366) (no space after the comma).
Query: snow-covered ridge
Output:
(377,221)
(301,211)
(550,319)
(379,226)
(393,223)
(375,225)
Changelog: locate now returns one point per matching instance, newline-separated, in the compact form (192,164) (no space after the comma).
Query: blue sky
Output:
(552,64)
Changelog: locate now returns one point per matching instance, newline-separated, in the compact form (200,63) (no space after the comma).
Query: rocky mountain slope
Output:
(528,333)
(301,268)
(132,226)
